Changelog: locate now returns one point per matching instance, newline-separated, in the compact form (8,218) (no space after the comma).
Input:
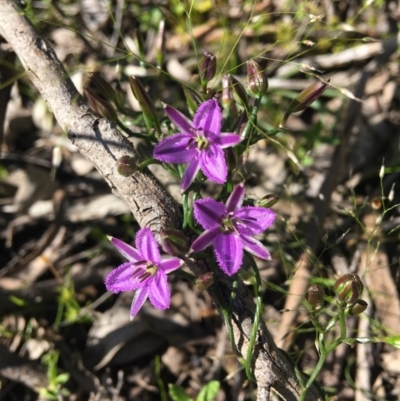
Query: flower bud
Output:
(146,104)
(348,288)
(160,44)
(239,92)
(174,242)
(304,99)
(100,106)
(359,307)
(315,297)
(208,67)
(268,201)
(103,88)
(204,281)
(226,97)
(257,82)
(126,166)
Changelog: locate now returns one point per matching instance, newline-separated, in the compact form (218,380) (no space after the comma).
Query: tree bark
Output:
(101,143)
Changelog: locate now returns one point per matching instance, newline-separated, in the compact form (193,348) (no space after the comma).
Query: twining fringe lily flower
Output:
(230,228)
(199,143)
(145,273)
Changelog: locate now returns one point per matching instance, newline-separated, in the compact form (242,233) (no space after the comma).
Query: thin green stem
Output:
(248,129)
(148,138)
(257,317)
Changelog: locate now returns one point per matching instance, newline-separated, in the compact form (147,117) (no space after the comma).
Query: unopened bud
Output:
(304,99)
(146,104)
(204,281)
(315,297)
(174,242)
(268,200)
(348,288)
(226,97)
(99,105)
(239,92)
(358,307)
(126,166)
(208,67)
(160,44)
(102,87)
(257,82)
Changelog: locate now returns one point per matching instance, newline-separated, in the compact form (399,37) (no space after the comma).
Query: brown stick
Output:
(100,142)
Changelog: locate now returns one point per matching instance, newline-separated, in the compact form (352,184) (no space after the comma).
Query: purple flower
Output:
(145,273)
(199,143)
(231,228)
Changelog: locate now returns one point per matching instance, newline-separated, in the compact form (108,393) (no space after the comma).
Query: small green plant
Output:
(56,380)
(207,393)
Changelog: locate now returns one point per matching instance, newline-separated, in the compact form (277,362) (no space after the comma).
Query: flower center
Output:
(143,270)
(230,223)
(199,141)
(202,143)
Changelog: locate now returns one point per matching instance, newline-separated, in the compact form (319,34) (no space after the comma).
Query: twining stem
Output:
(147,137)
(257,317)
(248,129)
(324,352)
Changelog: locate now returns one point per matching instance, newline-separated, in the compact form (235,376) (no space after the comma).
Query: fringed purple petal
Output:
(190,173)
(138,300)
(255,219)
(255,247)
(208,117)
(159,292)
(209,213)
(168,264)
(227,139)
(235,200)
(183,124)
(204,240)
(126,250)
(175,149)
(213,164)
(229,252)
(120,279)
(147,245)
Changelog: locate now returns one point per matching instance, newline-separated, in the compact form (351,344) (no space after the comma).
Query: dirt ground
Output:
(335,168)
